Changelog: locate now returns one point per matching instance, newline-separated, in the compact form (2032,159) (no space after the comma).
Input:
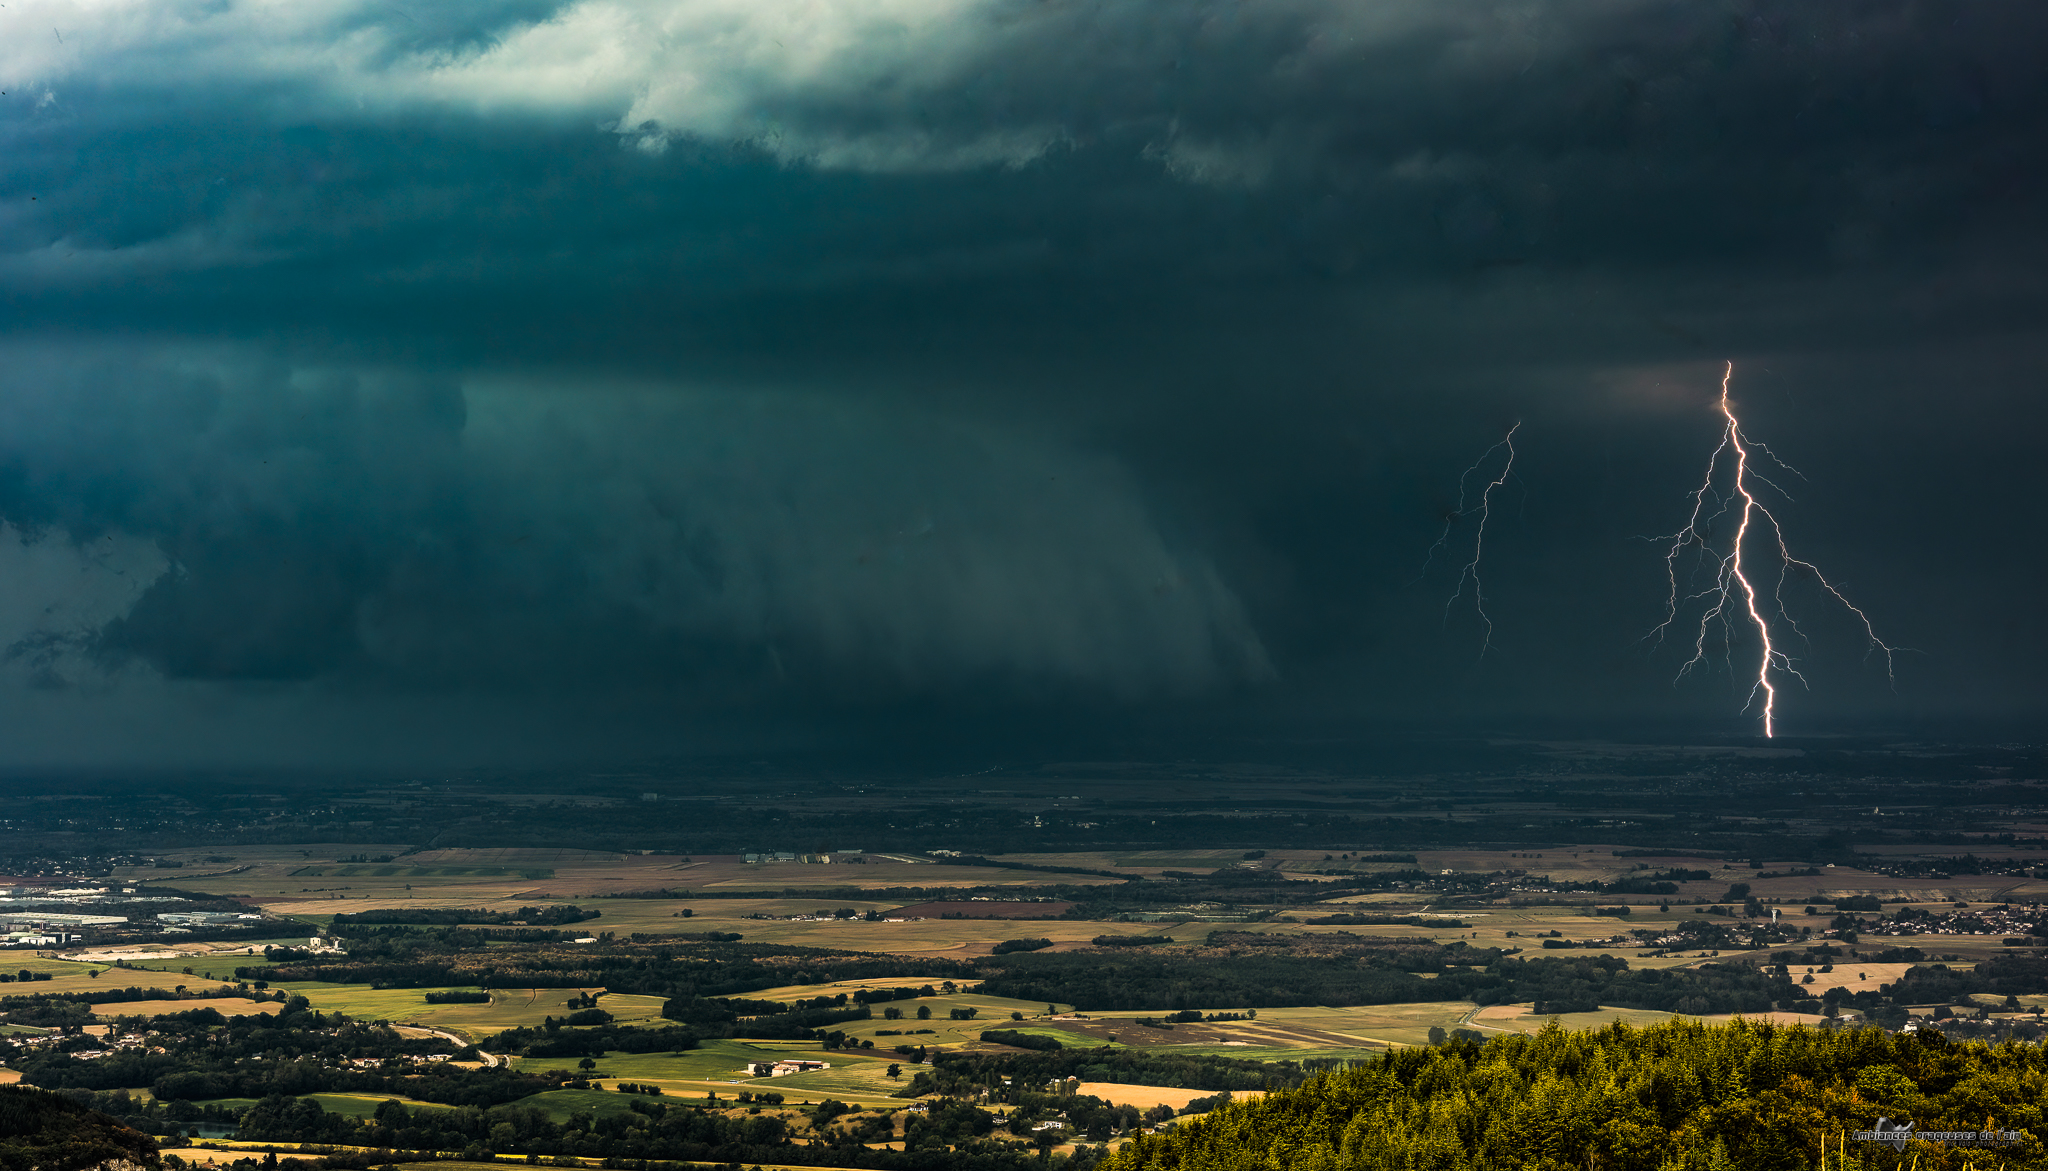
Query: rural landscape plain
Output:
(1023,585)
(875,986)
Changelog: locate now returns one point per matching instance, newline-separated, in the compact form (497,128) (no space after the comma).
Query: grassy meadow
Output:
(718,1066)
(224,1005)
(353,1105)
(508,1008)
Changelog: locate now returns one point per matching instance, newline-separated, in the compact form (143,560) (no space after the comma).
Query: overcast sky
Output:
(435,383)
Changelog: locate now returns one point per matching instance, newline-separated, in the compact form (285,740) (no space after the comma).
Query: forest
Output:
(968,1074)
(650,1133)
(1679,1096)
(443,956)
(200,1054)
(41,1131)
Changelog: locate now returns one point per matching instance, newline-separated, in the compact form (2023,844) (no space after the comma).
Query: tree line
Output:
(1147,979)
(1749,1095)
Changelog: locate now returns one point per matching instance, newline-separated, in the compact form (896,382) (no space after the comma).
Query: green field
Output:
(517,1008)
(1254,1053)
(558,1105)
(509,1007)
(993,1012)
(216,967)
(714,1061)
(717,1066)
(365,1105)
(353,1105)
(393,870)
(1496,1021)
(859,1080)
(70,976)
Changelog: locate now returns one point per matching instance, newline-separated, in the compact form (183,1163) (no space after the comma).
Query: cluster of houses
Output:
(111,1045)
(375,1062)
(2024,921)
(805,859)
(785,1068)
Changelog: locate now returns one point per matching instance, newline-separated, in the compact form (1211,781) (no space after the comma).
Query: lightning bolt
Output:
(1469,572)
(1732,586)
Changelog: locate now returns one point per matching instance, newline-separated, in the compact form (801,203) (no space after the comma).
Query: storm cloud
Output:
(814,359)
(319,522)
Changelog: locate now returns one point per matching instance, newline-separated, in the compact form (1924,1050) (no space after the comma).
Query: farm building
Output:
(784,1068)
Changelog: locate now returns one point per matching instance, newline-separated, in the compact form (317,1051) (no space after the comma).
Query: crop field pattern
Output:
(1382,923)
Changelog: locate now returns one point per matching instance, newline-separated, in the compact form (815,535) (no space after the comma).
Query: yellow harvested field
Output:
(214,1151)
(67,976)
(1776,1018)
(9,1076)
(789,992)
(225,1005)
(1299,864)
(1275,1032)
(953,938)
(1516,1018)
(1851,974)
(207,1155)
(730,873)
(319,884)
(1146,1097)
(312,883)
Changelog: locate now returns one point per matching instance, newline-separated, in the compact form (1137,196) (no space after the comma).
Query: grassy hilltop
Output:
(1673,1097)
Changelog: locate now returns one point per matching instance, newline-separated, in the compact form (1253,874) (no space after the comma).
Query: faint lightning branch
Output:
(1731,586)
(1482,509)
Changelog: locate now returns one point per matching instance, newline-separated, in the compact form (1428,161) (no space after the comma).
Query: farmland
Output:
(1241,941)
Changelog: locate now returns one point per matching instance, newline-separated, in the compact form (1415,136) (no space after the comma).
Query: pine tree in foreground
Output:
(1679,1096)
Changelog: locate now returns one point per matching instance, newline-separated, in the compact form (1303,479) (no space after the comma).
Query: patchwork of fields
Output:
(839,907)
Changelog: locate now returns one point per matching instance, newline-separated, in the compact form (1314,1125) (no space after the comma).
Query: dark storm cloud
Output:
(348,154)
(926,351)
(327,522)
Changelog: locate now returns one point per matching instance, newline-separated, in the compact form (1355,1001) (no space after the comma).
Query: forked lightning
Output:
(1470,571)
(1732,586)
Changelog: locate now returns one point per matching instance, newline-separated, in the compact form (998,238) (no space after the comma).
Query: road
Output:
(457,1040)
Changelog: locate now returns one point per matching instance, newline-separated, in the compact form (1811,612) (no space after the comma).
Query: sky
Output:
(420,385)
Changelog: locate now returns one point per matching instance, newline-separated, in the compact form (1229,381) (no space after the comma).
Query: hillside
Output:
(1675,1096)
(42,1131)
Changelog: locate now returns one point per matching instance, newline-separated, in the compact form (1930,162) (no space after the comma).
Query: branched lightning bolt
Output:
(1470,571)
(1731,584)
